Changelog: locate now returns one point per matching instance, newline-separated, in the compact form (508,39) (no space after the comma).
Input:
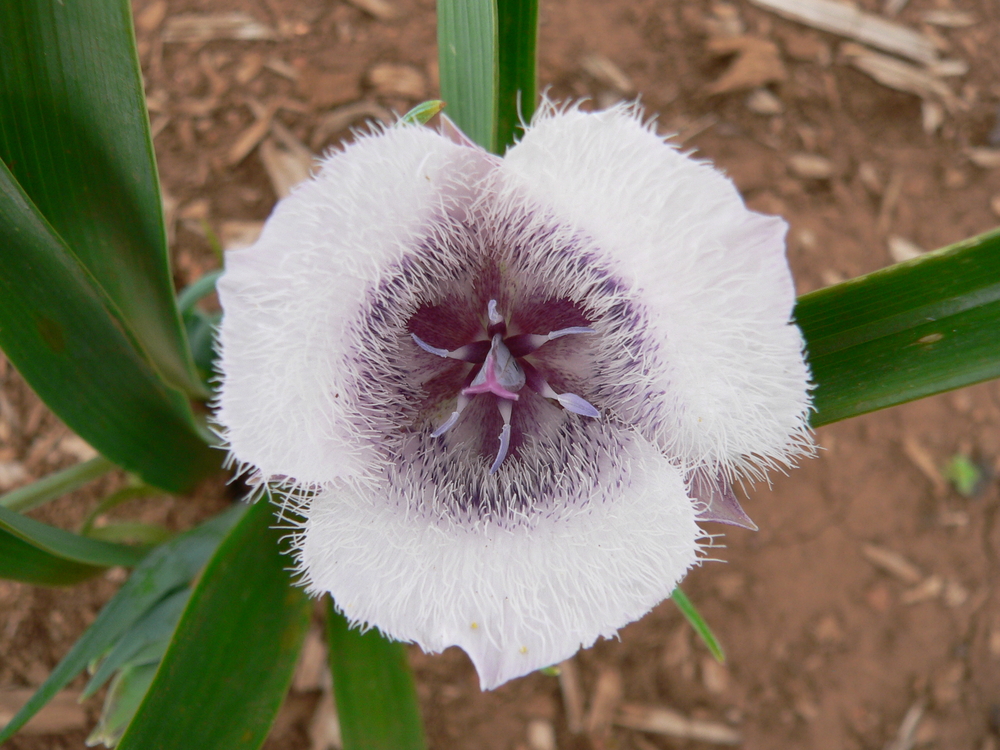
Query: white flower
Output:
(502,392)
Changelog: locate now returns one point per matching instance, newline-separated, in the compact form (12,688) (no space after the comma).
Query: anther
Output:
(568,401)
(463,401)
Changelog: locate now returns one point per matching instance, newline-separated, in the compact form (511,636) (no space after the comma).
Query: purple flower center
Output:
(500,369)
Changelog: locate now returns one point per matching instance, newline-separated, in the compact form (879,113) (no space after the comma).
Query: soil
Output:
(826,649)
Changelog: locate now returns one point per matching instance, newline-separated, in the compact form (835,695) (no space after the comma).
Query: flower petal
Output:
(722,356)
(292,299)
(515,597)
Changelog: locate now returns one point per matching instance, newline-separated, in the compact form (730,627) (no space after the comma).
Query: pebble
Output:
(902,249)
(12,474)
(763,102)
(955,594)
(391,79)
(810,166)
(714,676)
(541,735)
(828,630)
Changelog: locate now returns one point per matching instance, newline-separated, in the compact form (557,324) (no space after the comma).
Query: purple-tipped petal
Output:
(721,505)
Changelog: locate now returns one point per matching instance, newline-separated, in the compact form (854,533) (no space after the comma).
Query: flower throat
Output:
(500,370)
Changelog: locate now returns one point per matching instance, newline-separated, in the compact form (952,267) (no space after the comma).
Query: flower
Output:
(503,392)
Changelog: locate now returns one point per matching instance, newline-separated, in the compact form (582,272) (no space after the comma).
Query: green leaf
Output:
(201,330)
(56,484)
(64,545)
(75,134)
(153,627)
(964,474)
(125,494)
(201,327)
(228,667)
(467,55)
(58,328)
(134,532)
(166,568)
(21,561)
(373,689)
(422,113)
(124,696)
(517,79)
(198,290)
(693,616)
(908,331)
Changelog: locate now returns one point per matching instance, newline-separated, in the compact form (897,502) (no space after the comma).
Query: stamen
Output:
(568,401)
(463,401)
(526,343)
(568,331)
(473,352)
(506,411)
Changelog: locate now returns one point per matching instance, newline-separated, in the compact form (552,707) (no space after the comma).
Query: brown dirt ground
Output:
(826,650)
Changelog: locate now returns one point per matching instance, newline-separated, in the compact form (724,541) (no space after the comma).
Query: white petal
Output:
(514,597)
(725,381)
(292,299)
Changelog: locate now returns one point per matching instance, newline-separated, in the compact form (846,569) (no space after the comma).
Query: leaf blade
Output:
(167,567)
(517,24)
(67,545)
(155,625)
(373,688)
(56,327)
(905,332)
(56,484)
(24,562)
(206,686)
(694,618)
(76,136)
(467,57)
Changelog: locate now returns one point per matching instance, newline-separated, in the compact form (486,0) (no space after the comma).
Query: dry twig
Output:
(892,563)
(847,20)
(658,720)
(205,28)
(572,695)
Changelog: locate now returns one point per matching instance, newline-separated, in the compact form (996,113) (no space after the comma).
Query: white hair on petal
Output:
(724,357)
(330,405)
(288,298)
(514,602)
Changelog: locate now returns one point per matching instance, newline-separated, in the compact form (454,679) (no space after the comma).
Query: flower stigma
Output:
(502,370)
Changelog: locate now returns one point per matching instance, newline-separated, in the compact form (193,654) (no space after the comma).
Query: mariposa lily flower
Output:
(502,393)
